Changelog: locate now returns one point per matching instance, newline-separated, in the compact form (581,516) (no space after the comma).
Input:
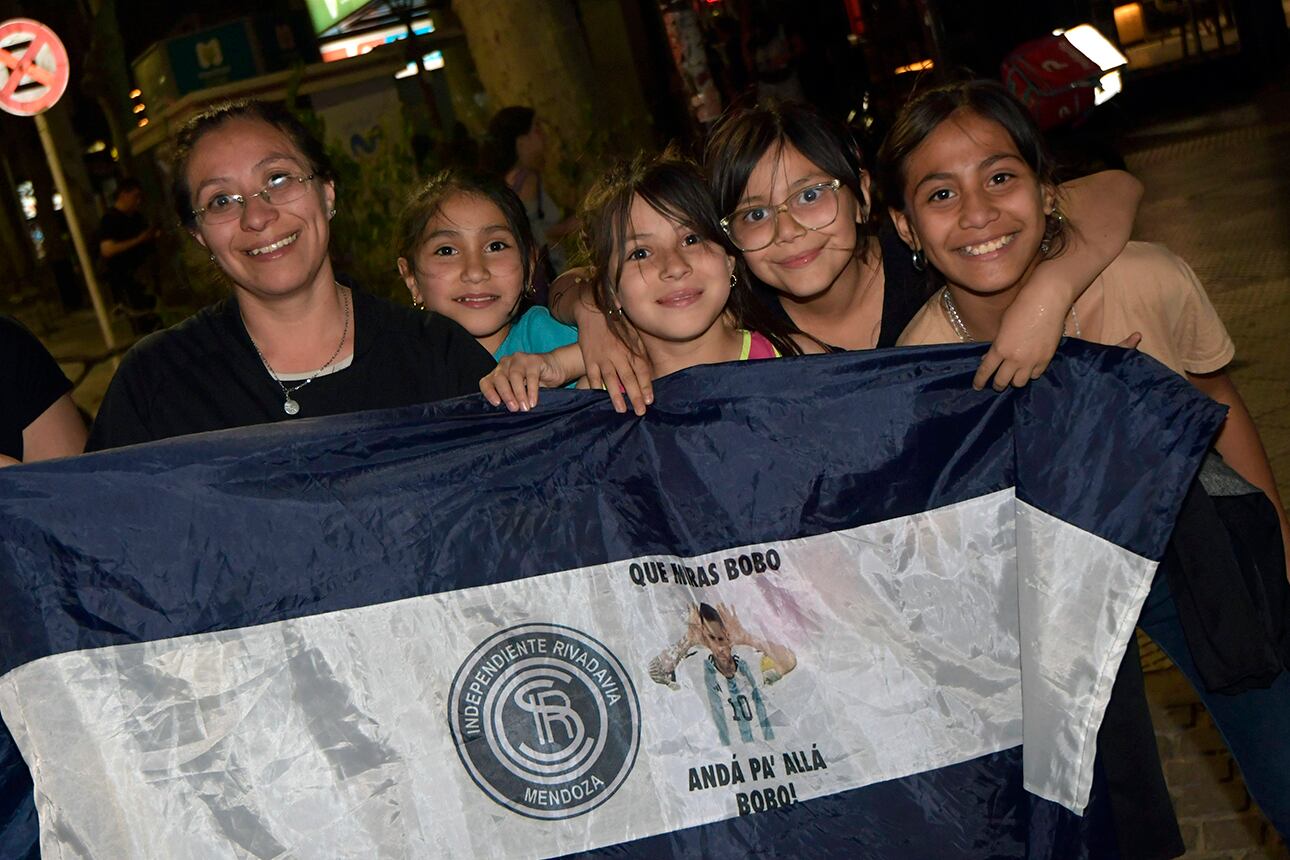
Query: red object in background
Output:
(1053,79)
(855,16)
(33,67)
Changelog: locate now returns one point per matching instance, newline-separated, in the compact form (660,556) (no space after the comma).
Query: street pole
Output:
(74,227)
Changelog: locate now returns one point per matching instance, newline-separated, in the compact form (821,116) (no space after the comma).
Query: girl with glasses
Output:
(254,189)
(796,202)
(665,273)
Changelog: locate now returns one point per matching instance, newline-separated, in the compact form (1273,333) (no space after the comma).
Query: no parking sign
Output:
(33,77)
(33,67)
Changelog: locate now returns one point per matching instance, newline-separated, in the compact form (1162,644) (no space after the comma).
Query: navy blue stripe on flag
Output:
(969,811)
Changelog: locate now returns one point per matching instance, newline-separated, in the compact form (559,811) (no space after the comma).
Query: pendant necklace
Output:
(289,404)
(956,321)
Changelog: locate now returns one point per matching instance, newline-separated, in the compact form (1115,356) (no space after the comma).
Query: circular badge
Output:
(545,719)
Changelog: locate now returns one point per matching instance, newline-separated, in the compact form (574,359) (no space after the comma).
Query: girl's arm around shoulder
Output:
(518,377)
(1099,210)
(611,364)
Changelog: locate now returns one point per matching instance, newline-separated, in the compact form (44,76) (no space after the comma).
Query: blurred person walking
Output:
(127,244)
(516,149)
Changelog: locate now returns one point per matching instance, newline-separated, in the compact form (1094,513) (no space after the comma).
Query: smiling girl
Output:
(664,273)
(797,205)
(466,251)
(969,181)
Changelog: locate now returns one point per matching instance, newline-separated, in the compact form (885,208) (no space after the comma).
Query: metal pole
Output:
(74,226)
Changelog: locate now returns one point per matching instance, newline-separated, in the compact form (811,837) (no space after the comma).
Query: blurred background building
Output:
(400,87)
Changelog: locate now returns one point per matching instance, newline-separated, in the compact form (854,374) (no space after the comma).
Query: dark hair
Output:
(272,113)
(745,134)
(707,613)
(674,187)
(988,100)
(126,185)
(428,200)
(507,125)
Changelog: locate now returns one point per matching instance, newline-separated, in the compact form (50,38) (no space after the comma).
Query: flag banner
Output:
(830,605)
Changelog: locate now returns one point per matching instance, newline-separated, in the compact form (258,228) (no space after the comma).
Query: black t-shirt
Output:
(120,226)
(204,374)
(904,288)
(30,382)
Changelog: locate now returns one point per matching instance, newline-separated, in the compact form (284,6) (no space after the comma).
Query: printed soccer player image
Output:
(731,687)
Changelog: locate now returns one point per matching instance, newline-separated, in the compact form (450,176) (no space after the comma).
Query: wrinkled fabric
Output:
(320,718)
(259,642)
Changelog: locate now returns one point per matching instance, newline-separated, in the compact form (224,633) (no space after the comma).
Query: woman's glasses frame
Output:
(285,193)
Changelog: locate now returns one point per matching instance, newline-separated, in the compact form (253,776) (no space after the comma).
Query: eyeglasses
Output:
(281,188)
(814,207)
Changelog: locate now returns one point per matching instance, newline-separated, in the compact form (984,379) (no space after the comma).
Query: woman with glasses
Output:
(254,188)
(796,202)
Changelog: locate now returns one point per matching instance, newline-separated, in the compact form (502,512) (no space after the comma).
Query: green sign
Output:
(212,57)
(326,13)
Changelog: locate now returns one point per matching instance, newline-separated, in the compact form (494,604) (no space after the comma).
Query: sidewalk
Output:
(1218,194)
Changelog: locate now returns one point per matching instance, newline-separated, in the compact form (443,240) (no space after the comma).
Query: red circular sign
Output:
(33,67)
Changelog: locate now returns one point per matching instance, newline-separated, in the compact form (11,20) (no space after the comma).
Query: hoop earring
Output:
(418,304)
(734,279)
(919,259)
(1053,223)
(530,290)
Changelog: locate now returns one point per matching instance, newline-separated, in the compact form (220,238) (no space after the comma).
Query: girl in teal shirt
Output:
(466,251)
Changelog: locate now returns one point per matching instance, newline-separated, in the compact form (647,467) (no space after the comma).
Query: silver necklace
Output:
(289,405)
(956,321)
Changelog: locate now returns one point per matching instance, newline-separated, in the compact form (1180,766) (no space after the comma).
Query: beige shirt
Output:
(1146,289)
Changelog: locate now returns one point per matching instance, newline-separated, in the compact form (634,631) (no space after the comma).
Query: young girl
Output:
(663,268)
(831,270)
(466,251)
(969,183)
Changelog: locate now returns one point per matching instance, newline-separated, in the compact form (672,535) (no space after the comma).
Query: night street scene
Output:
(645,428)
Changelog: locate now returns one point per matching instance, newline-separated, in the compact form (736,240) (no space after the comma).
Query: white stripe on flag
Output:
(859,656)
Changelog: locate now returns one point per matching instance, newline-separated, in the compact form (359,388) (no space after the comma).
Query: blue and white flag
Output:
(838,605)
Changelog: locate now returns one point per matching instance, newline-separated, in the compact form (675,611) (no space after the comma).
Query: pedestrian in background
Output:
(128,244)
(516,150)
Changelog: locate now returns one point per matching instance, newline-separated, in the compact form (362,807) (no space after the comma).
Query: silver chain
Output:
(289,405)
(956,321)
